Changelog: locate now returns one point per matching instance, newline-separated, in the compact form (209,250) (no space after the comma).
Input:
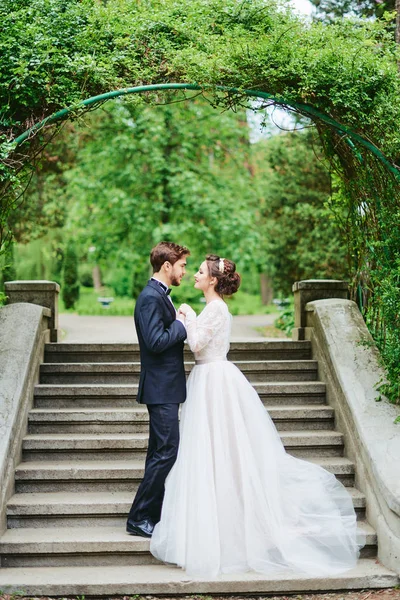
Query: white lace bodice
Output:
(208,334)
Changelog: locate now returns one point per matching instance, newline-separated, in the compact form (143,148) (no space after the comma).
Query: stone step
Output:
(120,475)
(160,580)
(93,546)
(135,420)
(89,446)
(90,396)
(90,420)
(90,509)
(258,350)
(128,372)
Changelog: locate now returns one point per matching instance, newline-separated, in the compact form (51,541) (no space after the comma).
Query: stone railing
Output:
(24,330)
(42,293)
(313,289)
(26,324)
(349,364)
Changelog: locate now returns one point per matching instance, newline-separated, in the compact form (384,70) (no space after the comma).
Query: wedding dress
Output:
(235,500)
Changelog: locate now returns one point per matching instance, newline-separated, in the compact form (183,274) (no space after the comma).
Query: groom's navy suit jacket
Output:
(161,337)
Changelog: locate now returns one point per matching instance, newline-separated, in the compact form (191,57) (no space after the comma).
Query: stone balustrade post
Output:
(310,290)
(43,293)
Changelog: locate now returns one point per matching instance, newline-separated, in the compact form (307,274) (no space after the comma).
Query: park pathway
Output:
(102,329)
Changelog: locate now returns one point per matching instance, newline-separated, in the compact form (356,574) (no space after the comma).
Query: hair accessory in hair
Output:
(221,265)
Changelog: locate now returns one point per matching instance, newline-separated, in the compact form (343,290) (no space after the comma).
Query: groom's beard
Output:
(175,281)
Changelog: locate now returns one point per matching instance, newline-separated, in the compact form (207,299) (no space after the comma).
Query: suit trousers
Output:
(161,455)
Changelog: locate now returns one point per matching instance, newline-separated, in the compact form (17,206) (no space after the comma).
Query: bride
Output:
(235,500)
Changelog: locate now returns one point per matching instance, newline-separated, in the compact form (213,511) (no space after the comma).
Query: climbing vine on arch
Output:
(55,53)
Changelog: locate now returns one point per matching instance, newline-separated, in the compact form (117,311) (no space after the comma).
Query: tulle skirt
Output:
(236,501)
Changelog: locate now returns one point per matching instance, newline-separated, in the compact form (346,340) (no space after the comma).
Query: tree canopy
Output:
(300,238)
(142,174)
(55,53)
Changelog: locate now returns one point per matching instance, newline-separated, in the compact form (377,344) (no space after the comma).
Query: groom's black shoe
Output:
(143,528)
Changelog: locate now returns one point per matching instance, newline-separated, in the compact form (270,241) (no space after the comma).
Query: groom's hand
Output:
(180,316)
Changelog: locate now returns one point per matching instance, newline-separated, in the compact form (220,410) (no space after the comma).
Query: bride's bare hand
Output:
(183,309)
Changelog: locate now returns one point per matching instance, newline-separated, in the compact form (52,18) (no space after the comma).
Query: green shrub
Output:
(8,271)
(70,283)
(85,276)
(285,320)
(88,304)
(120,279)
(382,316)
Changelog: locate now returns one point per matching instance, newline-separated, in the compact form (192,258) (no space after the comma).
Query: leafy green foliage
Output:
(8,272)
(41,258)
(301,239)
(70,283)
(88,304)
(38,208)
(285,320)
(383,318)
(55,53)
(177,173)
(86,277)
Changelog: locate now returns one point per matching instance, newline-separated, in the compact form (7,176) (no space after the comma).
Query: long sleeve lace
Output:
(208,330)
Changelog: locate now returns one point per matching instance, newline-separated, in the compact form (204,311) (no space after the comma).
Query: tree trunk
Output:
(267,293)
(96,273)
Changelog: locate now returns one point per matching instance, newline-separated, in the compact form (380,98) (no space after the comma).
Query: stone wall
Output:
(349,365)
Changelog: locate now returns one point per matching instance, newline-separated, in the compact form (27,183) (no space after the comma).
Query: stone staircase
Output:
(83,458)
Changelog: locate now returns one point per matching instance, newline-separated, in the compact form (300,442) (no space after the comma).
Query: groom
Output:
(162,385)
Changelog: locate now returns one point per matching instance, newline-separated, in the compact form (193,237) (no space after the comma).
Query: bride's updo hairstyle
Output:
(224,270)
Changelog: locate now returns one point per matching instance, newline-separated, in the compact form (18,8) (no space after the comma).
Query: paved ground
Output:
(76,328)
(388,594)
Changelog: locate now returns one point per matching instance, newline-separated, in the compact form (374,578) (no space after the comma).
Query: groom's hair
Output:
(166,251)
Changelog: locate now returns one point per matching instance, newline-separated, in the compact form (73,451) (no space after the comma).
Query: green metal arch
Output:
(304,108)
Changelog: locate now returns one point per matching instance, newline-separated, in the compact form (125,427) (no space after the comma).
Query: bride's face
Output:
(202,279)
